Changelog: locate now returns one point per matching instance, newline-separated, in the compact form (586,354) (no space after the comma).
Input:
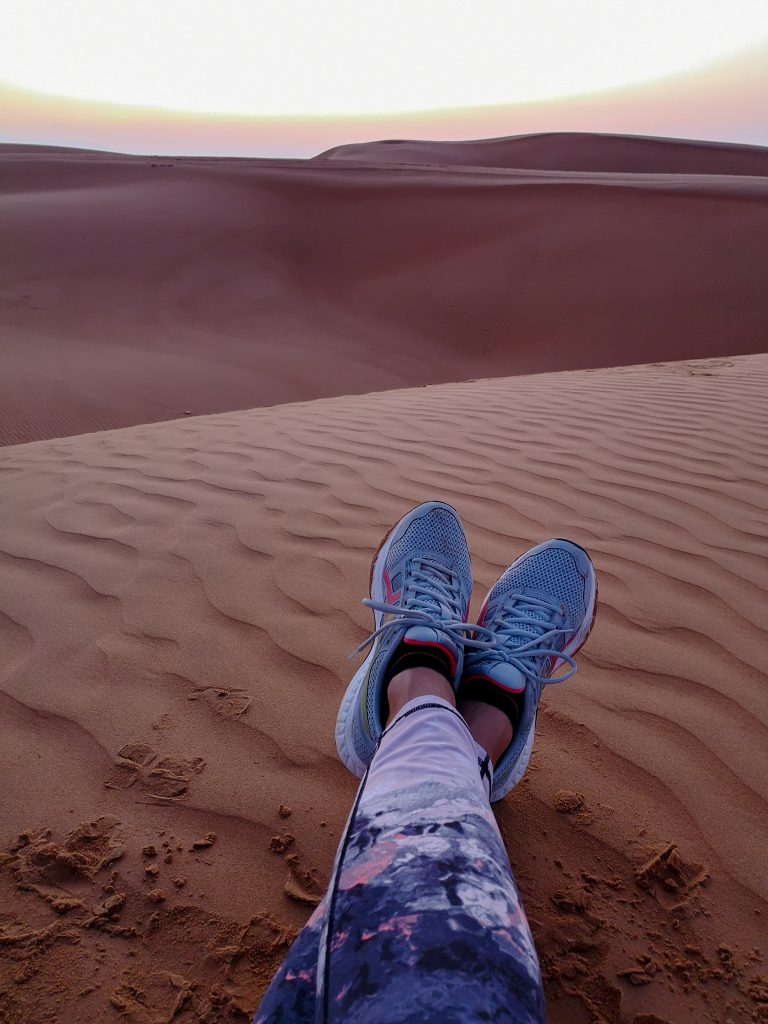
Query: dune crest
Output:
(178,600)
(566,151)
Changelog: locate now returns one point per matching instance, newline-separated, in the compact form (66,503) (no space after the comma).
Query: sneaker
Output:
(540,612)
(421,582)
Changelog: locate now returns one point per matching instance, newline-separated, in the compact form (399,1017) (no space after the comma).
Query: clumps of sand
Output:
(226,703)
(172,992)
(38,863)
(117,944)
(671,871)
(642,972)
(302,885)
(204,841)
(280,843)
(294,890)
(567,802)
(577,943)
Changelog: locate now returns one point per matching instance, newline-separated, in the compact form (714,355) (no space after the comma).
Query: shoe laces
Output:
(523,630)
(431,596)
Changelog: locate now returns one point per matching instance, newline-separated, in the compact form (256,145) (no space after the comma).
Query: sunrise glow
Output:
(351,57)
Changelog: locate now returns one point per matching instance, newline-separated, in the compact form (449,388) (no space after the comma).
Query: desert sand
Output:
(177,603)
(137,289)
(178,598)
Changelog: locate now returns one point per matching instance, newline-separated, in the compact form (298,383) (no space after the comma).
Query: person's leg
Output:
(422,921)
(490,726)
(291,996)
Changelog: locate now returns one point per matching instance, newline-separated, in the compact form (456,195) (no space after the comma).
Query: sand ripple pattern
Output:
(192,588)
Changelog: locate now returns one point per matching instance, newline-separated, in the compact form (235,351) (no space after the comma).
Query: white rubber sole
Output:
(344,745)
(574,644)
(518,771)
(352,694)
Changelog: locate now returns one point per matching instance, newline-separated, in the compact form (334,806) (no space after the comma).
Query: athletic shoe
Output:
(421,582)
(540,612)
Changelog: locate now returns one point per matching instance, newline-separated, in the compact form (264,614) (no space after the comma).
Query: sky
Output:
(294,77)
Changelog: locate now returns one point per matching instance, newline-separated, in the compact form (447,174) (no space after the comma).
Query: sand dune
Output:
(136,289)
(177,603)
(567,151)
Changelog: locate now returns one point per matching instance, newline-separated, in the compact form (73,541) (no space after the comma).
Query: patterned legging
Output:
(421,922)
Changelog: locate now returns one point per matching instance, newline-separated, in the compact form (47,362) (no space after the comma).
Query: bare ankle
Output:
(489,725)
(416,682)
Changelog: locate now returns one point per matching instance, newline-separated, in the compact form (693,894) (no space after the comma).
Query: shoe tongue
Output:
(431,638)
(503,674)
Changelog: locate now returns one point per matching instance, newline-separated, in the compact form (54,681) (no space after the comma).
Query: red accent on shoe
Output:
(390,596)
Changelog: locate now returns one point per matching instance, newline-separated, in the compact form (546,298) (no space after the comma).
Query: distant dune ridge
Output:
(177,603)
(135,289)
(567,151)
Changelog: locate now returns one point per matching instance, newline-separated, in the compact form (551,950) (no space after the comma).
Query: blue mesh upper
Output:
(382,658)
(439,531)
(553,571)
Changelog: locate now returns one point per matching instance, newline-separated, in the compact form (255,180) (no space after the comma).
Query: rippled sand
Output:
(177,603)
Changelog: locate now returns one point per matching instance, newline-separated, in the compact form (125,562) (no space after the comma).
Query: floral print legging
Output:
(421,922)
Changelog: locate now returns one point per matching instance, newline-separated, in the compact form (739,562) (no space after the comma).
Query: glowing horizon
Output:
(723,100)
(727,102)
(301,59)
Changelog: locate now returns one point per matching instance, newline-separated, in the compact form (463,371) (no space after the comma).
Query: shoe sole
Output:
(351,696)
(571,648)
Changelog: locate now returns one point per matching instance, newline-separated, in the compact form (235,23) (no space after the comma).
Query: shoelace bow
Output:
(431,588)
(515,612)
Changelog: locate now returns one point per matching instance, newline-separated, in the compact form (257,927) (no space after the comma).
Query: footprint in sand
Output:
(166,779)
(36,860)
(226,703)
